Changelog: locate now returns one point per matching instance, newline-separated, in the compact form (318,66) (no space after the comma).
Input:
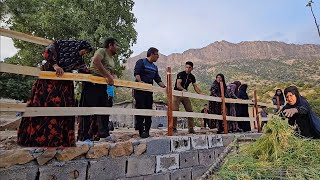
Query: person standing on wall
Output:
(184,79)
(96,127)
(145,71)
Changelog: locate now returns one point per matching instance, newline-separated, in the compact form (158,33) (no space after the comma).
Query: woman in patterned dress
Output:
(54,131)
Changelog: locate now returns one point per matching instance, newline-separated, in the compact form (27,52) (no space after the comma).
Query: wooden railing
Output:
(72,111)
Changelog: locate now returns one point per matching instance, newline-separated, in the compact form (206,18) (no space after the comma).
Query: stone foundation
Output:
(176,157)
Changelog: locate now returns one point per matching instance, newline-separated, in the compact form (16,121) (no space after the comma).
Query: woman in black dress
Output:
(299,113)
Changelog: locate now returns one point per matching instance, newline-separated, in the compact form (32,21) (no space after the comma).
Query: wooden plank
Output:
(196,96)
(16,69)
(256,108)
(84,111)
(13,107)
(24,37)
(224,109)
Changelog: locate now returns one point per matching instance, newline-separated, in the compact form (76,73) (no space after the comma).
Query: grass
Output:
(278,154)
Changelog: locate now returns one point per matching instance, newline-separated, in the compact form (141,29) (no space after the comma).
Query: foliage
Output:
(15,86)
(277,154)
(74,19)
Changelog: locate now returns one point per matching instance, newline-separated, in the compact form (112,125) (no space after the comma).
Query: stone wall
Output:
(163,158)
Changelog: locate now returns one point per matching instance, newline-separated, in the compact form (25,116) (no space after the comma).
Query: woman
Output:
(215,107)
(281,102)
(242,110)
(299,113)
(49,131)
(232,125)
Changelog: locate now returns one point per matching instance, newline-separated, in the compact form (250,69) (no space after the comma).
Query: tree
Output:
(70,19)
(314,17)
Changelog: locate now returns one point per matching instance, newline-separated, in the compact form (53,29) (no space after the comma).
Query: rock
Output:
(13,157)
(140,149)
(46,156)
(98,151)
(121,149)
(70,153)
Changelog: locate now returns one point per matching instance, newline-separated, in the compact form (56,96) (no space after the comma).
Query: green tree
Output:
(70,19)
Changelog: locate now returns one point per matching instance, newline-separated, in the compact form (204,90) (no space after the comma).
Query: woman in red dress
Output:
(53,131)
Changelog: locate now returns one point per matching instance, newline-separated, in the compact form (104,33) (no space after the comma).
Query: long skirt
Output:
(49,131)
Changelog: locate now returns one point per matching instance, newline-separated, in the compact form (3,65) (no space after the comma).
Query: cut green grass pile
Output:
(277,154)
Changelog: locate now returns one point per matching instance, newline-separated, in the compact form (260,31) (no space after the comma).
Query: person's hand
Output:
(110,81)
(59,70)
(290,112)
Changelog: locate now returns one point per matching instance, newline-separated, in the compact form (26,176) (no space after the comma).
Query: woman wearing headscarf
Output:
(232,125)
(215,107)
(53,131)
(299,113)
(242,110)
(279,94)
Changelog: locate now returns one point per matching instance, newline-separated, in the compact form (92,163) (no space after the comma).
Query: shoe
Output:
(191,131)
(144,135)
(87,141)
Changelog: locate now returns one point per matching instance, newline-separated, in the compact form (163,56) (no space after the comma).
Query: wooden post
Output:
(256,107)
(169,97)
(278,103)
(224,110)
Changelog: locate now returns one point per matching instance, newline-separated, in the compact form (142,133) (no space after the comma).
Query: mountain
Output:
(263,65)
(224,51)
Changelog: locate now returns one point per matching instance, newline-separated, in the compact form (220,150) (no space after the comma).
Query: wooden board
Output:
(24,37)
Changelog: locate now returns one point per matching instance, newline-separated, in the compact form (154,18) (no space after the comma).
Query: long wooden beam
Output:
(24,37)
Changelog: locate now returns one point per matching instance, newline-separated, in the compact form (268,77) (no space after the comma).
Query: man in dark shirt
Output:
(183,80)
(146,71)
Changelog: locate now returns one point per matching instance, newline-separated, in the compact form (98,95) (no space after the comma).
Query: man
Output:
(206,122)
(183,80)
(145,71)
(95,95)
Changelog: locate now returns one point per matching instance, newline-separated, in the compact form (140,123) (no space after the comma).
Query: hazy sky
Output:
(174,26)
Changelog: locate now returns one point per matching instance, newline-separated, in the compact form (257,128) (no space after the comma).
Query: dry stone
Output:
(140,149)
(46,156)
(98,151)
(70,153)
(121,149)
(13,157)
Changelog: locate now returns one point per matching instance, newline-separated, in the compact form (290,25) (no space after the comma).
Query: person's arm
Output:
(158,80)
(138,68)
(103,71)
(179,81)
(196,88)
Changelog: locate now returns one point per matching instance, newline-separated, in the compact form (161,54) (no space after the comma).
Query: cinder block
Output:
(184,174)
(180,144)
(189,159)
(107,168)
(19,173)
(69,170)
(158,146)
(217,151)
(162,176)
(227,139)
(215,141)
(140,166)
(206,157)
(197,172)
(199,142)
(167,162)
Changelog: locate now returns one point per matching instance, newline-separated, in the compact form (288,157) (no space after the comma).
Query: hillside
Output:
(265,66)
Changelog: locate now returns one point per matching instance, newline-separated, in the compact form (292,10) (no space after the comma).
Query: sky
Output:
(174,26)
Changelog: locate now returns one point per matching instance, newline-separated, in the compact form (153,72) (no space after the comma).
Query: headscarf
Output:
(281,96)
(243,92)
(223,80)
(294,90)
(238,84)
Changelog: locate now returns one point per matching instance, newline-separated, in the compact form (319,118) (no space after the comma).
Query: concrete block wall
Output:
(165,158)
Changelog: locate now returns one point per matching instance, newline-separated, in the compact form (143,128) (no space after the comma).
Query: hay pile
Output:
(278,154)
